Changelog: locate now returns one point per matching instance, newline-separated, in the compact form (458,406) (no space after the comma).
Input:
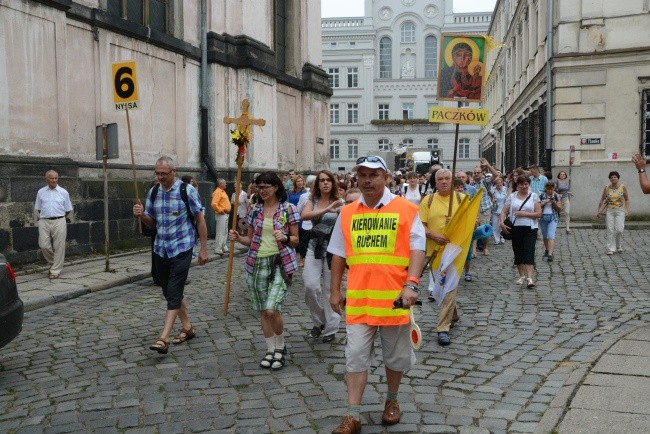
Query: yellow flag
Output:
(460,229)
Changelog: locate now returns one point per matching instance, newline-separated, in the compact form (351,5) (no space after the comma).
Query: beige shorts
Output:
(395,345)
(485,217)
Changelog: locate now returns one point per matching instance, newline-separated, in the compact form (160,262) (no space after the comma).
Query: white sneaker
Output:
(530,283)
(521,280)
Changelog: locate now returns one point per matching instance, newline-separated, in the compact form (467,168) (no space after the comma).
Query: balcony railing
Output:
(484,17)
(341,22)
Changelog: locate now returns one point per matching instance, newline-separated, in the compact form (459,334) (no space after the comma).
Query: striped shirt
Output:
(175,232)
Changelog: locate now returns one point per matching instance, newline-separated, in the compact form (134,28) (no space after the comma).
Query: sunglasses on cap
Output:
(372,159)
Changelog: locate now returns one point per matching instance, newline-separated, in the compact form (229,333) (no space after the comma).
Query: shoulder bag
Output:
(511,224)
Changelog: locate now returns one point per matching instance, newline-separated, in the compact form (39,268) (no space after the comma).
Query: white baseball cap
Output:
(371,162)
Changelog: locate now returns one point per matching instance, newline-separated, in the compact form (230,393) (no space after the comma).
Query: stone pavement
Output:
(573,355)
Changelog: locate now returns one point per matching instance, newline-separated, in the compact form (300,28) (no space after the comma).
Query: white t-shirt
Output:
(515,203)
(413,195)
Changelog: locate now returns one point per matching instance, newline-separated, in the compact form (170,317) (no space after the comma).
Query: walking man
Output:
(537,181)
(175,239)
(434,215)
(382,240)
(221,206)
(53,206)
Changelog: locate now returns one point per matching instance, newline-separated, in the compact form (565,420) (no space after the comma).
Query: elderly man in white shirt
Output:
(53,205)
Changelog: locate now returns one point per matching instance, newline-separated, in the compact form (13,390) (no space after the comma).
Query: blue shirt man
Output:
(175,240)
(537,182)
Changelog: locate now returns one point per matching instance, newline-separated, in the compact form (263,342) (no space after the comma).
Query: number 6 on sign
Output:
(124,82)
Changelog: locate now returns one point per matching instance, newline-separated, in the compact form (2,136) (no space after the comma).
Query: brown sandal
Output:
(184,335)
(161,346)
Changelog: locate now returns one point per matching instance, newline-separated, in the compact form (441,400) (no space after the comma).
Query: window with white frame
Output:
(646,123)
(432,143)
(334,149)
(353,113)
(385,57)
(334,114)
(353,77)
(384,110)
(353,149)
(384,144)
(430,57)
(463,148)
(407,143)
(407,110)
(334,77)
(408,32)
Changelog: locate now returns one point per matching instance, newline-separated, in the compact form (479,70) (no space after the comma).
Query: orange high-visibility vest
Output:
(377,245)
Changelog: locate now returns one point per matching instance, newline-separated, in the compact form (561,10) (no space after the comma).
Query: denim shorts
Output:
(548,227)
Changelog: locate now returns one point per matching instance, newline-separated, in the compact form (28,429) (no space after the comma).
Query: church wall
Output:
(55,87)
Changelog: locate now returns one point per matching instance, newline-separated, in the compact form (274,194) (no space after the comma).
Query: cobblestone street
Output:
(84,364)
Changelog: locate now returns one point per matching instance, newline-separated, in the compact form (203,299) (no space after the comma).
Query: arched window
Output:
(385,57)
(432,143)
(430,57)
(384,144)
(408,32)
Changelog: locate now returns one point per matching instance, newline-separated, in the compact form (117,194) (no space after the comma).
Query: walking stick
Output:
(241,137)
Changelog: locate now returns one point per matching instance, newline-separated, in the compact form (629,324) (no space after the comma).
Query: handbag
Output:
(322,233)
(511,224)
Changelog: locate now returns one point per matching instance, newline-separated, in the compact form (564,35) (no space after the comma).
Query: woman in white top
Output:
(524,209)
(322,210)
(412,189)
(499,196)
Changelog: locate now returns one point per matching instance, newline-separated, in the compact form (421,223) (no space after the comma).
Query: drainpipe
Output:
(205,143)
(549,81)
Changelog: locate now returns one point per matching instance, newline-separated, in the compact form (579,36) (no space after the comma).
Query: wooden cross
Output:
(243,124)
(244,120)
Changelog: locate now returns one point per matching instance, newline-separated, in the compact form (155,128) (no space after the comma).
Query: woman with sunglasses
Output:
(322,210)
(524,209)
(271,261)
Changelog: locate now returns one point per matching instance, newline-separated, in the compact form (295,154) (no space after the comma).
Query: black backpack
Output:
(154,193)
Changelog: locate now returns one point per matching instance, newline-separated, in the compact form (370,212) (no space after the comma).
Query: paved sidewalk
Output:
(609,395)
(83,275)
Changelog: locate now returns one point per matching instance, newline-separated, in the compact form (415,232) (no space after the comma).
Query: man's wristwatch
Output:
(412,287)
(286,240)
(641,170)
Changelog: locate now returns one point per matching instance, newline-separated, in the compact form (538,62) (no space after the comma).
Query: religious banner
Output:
(462,68)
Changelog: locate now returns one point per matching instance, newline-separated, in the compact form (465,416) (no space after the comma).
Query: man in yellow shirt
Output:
(435,217)
(221,206)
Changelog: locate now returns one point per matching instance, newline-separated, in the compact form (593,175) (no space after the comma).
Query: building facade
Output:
(570,90)
(196,61)
(383,70)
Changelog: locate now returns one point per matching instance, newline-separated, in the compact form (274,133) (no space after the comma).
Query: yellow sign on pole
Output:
(465,116)
(124,81)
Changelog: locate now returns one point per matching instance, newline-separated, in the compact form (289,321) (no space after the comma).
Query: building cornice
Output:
(243,52)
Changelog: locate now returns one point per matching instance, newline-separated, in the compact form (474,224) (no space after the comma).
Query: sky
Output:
(354,8)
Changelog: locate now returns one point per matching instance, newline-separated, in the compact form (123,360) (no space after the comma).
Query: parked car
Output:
(11,306)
